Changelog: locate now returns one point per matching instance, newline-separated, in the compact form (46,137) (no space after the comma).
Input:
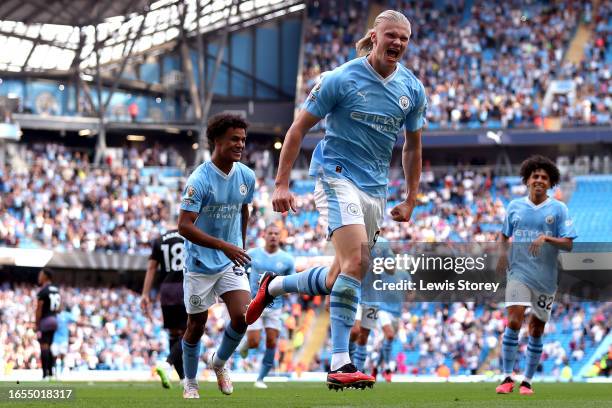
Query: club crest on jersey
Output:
(550,219)
(243,189)
(404,102)
(279,265)
(195,300)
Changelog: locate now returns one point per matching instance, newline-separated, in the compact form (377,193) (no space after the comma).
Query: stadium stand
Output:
(485,64)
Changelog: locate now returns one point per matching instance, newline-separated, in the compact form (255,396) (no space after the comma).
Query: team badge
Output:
(404,102)
(550,219)
(279,265)
(188,197)
(195,300)
(353,209)
(243,189)
(314,92)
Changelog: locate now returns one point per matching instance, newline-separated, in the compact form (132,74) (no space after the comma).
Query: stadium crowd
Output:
(489,66)
(60,201)
(57,199)
(592,77)
(103,329)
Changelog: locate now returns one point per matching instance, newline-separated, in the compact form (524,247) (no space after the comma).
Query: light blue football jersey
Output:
(364,115)
(280,262)
(526,221)
(218,199)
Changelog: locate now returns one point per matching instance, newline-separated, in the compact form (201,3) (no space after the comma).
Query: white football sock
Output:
(275,288)
(339,359)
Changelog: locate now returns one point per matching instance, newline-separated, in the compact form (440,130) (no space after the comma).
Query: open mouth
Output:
(393,53)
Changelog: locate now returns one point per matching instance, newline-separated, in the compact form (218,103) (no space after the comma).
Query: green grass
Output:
(134,395)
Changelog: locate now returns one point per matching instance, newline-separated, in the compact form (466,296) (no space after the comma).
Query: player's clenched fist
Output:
(402,212)
(283,200)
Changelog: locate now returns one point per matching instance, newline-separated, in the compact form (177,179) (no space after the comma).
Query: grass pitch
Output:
(148,395)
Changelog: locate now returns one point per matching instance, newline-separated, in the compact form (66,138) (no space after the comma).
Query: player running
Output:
(47,307)
(366,103)
(273,259)
(539,226)
(166,265)
(213,221)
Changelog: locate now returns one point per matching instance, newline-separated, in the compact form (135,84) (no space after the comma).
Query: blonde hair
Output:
(365,45)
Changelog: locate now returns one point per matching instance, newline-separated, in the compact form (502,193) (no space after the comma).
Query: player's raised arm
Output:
(189,231)
(282,199)
(412,163)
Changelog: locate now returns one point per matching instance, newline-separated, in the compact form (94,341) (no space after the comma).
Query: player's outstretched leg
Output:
(310,282)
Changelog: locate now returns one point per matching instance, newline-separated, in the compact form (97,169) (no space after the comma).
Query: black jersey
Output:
(168,251)
(51,300)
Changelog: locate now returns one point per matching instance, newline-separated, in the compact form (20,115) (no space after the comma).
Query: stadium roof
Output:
(67,12)
(43,35)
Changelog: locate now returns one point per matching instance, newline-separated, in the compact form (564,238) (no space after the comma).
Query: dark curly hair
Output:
(218,125)
(537,162)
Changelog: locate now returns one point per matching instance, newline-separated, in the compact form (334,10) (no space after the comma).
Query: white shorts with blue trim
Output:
(341,203)
(201,291)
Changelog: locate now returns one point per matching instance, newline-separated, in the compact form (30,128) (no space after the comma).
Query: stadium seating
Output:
(590,208)
(485,64)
